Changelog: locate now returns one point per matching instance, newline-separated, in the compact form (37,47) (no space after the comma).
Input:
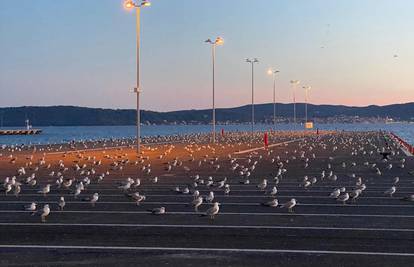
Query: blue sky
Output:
(82,53)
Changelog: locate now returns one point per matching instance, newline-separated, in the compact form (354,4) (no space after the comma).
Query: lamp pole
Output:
(273,73)
(129,4)
(307,88)
(252,62)
(294,84)
(218,41)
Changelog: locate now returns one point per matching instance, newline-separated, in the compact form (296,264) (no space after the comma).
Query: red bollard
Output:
(265,140)
(222,132)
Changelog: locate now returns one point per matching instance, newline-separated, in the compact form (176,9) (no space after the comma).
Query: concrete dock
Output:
(20,132)
(374,230)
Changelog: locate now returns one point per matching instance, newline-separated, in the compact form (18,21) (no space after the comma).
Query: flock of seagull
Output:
(199,162)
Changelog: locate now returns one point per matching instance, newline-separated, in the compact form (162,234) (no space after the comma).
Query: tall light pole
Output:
(294,84)
(273,73)
(307,88)
(218,41)
(252,62)
(129,5)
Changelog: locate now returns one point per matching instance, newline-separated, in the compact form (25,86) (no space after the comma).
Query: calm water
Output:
(64,134)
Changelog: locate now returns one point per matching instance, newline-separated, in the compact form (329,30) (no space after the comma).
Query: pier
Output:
(372,229)
(21,132)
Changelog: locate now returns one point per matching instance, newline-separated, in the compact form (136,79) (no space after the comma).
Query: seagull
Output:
(289,205)
(355,194)
(273,203)
(262,185)
(196,194)
(226,189)
(409,198)
(45,190)
(125,187)
(274,191)
(137,197)
(210,197)
(211,212)
(137,182)
(31,207)
(8,188)
(343,198)
(45,213)
(94,199)
(390,191)
(335,193)
(197,202)
(158,211)
(396,180)
(61,203)
(77,192)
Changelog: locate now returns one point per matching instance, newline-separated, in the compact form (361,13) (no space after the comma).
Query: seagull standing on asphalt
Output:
(273,192)
(45,190)
(343,198)
(335,193)
(45,213)
(289,205)
(211,212)
(409,198)
(355,194)
(31,207)
(197,202)
(137,197)
(273,203)
(8,188)
(262,185)
(396,180)
(62,203)
(158,211)
(390,191)
(94,199)
(210,197)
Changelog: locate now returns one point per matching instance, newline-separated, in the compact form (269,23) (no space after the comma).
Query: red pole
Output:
(265,139)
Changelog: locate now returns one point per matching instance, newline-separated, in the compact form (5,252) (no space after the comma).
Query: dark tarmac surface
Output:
(375,230)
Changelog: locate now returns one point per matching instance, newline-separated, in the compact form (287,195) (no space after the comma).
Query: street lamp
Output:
(218,41)
(307,88)
(252,61)
(294,84)
(129,5)
(273,73)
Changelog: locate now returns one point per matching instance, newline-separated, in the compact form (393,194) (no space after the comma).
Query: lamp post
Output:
(307,88)
(129,5)
(273,73)
(294,84)
(252,62)
(218,41)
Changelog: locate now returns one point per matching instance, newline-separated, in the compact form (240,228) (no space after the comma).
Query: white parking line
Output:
(300,190)
(222,204)
(212,226)
(237,250)
(217,196)
(269,146)
(223,213)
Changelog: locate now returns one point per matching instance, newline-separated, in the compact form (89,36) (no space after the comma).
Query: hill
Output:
(81,116)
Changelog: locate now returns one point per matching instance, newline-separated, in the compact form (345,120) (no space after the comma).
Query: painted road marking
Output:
(192,249)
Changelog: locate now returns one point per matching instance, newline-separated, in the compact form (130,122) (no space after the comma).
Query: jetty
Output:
(27,131)
(20,132)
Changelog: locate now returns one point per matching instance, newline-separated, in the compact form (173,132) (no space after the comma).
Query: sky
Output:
(82,53)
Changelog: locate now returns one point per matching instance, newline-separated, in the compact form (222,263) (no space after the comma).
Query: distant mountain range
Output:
(81,116)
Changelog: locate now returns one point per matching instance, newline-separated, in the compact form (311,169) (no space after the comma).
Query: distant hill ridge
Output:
(81,116)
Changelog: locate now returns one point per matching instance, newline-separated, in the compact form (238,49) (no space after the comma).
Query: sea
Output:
(56,135)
